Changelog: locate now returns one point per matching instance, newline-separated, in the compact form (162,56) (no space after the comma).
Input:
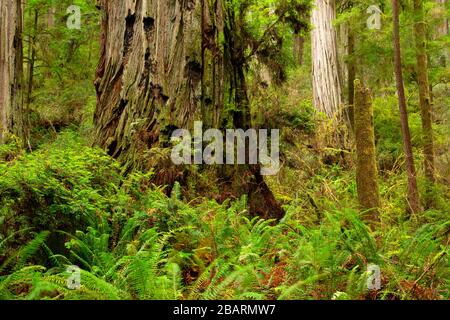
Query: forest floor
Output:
(67,204)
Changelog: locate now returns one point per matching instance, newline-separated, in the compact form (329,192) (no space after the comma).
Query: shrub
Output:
(65,185)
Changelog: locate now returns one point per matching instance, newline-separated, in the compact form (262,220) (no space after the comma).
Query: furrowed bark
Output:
(162,67)
(11,70)
(148,75)
(327,87)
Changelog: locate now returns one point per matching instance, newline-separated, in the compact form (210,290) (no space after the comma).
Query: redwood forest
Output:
(224,150)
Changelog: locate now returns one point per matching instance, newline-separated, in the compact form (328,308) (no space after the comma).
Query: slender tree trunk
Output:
(31,58)
(366,165)
(299,45)
(51,17)
(11,70)
(5,56)
(326,82)
(425,97)
(413,193)
(442,29)
(351,77)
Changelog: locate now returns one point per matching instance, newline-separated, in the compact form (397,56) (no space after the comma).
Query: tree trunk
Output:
(31,58)
(148,75)
(413,193)
(11,70)
(51,17)
(246,179)
(366,165)
(299,45)
(161,68)
(351,77)
(425,97)
(442,29)
(326,81)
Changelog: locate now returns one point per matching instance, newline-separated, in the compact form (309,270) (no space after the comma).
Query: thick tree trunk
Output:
(11,70)
(161,68)
(425,97)
(326,82)
(366,165)
(148,76)
(413,193)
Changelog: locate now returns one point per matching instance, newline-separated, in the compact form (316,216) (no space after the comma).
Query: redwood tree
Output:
(148,75)
(326,81)
(11,70)
(165,64)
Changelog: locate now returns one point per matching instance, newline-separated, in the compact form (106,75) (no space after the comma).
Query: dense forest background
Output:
(91,92)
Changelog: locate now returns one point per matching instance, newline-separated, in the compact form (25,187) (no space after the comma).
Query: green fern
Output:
(18,260)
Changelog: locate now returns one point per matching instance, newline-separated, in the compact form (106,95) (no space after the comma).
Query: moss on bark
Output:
(366,166)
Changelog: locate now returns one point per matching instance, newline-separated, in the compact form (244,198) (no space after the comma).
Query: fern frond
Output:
(25,253)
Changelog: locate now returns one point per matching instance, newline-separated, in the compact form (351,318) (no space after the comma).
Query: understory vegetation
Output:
(87,116)
(68,204)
